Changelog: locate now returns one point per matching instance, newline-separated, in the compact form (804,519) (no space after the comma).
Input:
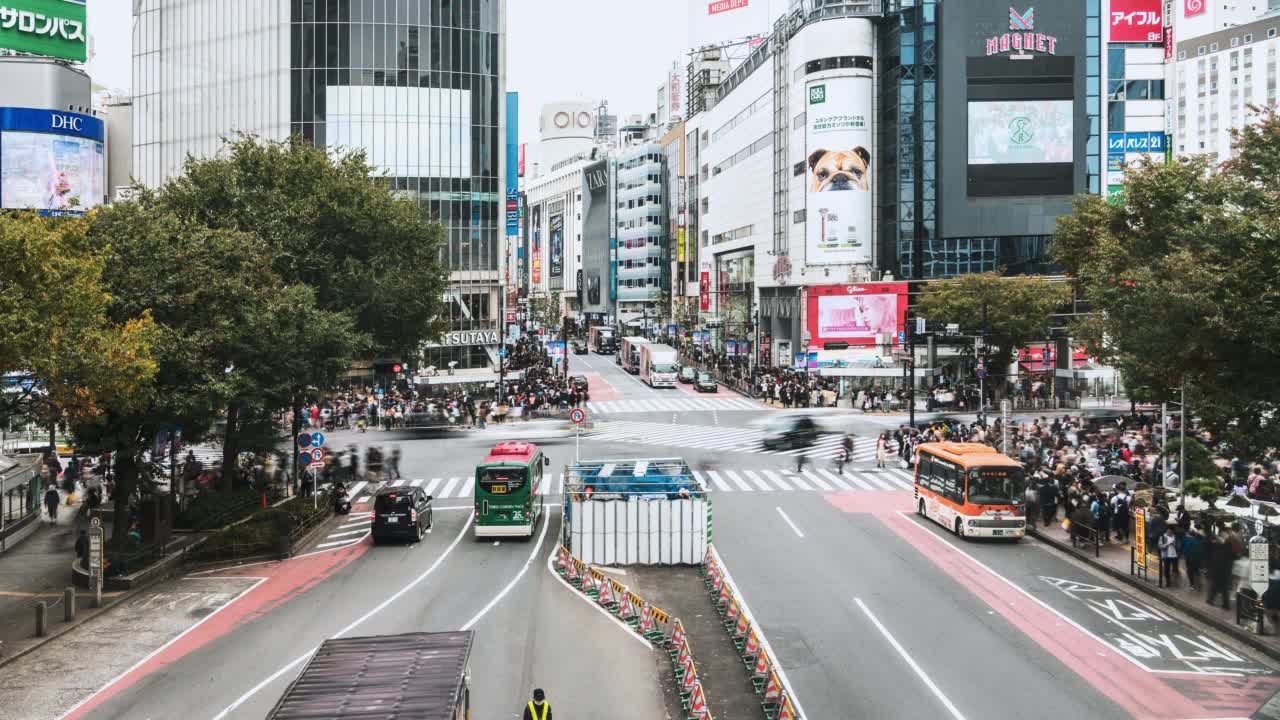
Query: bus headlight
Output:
(972,523)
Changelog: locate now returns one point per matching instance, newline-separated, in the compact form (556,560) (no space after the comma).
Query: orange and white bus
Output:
(971,489)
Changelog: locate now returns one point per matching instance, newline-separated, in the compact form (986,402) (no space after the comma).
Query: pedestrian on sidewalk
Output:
(1168,544)
(882,449)
(1220,561)
(51,501)
(1192,549)
(82,548)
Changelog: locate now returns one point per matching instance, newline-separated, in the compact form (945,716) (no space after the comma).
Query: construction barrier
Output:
(632,530)
(775,700)
(651,623)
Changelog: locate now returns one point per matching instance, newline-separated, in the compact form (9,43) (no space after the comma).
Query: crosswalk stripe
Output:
(738,481)
(348,533)
(357,523)
(448,487)
(813,478)
(756,480)
(464,490)
(355,489)
(592,407)
(773,477)
(837,482)
(871,477)
(897,482)
(348,541)
(431,486)
(795,478)
(721,485)
(417,482)
(862,484)
(701,480)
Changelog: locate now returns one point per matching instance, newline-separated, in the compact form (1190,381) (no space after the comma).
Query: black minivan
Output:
(400,512)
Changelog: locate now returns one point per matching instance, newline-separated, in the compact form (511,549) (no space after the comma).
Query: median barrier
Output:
(775,700)
(651,623)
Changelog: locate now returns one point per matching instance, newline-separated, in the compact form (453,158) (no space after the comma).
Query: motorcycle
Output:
(341,503)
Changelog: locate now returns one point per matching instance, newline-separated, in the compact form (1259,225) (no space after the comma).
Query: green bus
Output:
(508,494)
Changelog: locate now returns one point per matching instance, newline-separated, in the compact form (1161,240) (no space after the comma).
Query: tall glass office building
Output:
(418,84)
(643,261)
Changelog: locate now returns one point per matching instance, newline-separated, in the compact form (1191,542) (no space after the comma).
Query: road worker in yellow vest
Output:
(539,708)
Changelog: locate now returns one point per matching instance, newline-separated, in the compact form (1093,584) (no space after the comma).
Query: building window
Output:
(1182,54)
(1248,38)
(797,217)
(1115,116)
(798,169)
(1271,32)
(1235,41)
(1213,47)
(1200,50)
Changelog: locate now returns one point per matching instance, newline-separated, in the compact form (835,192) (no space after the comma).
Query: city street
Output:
(869,610)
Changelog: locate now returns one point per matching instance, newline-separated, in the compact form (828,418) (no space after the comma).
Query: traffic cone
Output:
(787,712)
(677,639)
(731,615)
(627,609)
(752,647)
(760,674)
(562,560)
(722,603)
(697,703)
(773,689)
(688,678)
(571,573)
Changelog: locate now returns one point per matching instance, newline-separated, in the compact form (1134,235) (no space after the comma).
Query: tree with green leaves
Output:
(328,222)
(1181,277)
(1011,311)
(54,326)
(546,309)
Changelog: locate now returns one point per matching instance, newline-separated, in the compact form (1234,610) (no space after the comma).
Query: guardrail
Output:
(1250,609)
(775,697)
(647,621)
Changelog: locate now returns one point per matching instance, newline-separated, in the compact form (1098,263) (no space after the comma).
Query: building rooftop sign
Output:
(1022,40)
(53,28)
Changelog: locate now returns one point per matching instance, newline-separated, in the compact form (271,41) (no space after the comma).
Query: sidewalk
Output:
(37,569)
(1114,560)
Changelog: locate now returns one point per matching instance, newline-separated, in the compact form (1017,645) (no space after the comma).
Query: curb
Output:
(1179,604)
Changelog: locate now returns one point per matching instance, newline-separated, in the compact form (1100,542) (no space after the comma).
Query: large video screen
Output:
(1010,132)
(44,171)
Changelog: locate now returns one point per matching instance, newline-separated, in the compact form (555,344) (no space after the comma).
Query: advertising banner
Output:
(704,288)
(1191,8)
(595,237)
(52,28)
(555,245)
(536,221)
(1138,21)
(838,179)
(856,314)
(50,161)
(716,21)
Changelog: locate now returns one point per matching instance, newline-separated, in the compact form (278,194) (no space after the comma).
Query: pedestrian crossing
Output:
(674,403)
(731,439)
(735,480)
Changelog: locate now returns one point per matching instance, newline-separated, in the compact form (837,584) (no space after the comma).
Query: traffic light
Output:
(397,368)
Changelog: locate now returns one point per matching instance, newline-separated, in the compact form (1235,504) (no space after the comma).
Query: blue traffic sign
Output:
(902,337)
(304,458)
(380,391)
(317,439)
(502,352)
(304,440)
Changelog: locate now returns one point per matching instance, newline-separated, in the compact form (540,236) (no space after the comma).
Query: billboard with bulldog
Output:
(838,146)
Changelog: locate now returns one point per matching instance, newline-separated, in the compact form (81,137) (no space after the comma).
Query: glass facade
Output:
(416,84)
(202,70)
(908,135)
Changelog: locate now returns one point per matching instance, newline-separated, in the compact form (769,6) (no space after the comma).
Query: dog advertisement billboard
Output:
(856,314)
(838,180)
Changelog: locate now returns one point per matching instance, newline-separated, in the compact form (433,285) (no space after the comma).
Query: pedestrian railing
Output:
(1250,610)
(1084,537)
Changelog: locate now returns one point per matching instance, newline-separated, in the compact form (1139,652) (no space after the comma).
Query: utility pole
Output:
(1182,438)
(911,377)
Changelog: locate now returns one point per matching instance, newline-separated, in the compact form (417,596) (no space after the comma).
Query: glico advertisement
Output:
(50,161)
(838,181)
(856,314)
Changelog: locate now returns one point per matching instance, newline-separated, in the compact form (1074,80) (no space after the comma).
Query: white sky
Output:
(556,50)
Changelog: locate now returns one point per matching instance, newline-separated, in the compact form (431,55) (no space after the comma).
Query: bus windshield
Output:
(502,481)
(996,486)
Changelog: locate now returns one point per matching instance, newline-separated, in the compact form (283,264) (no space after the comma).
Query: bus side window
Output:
(955,484)
(924,466)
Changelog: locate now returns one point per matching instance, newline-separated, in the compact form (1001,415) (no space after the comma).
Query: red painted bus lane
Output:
(283,582)
(1141,693)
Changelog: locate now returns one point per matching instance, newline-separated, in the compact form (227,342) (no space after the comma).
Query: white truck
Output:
(659,365)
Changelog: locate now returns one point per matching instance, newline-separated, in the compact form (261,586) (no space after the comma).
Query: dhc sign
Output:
(73,123)
(48,121)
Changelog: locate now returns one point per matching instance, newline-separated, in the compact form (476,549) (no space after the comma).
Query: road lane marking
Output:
(344,543)
(782,484)
(448,487)
(756,479)
(835,480)
(357,523)
(928,682)
(551,568)
(738,481)
(355,489)
(788,520)
(417,482)
(431,486)
(546,523)
(354,624)
(346,534)
(877,481)
(166,646)
(816,480)
(862,484)
(715,478)
(795,478)
(464,490)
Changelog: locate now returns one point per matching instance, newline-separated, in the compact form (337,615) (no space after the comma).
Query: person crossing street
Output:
(538,708)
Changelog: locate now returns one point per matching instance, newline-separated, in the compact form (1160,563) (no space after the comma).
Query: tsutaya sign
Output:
(468,337)
(53,28)
(1022,40)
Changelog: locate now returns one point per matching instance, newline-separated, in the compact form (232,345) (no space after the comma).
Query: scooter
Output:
(341,503)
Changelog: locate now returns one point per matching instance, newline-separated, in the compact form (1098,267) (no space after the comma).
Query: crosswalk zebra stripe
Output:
(464,490)
(448,487)
(835,480)
(348,533)
(795,478)
(702,482)
(355,489)
(417,482)
(755,479)
(431,486)
(738,481)
(871,477)
(715,478)
(592,407)
(813,478)
(773,477)
(862,484)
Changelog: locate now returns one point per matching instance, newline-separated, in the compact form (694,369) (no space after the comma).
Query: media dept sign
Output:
(53,28)
(838,180)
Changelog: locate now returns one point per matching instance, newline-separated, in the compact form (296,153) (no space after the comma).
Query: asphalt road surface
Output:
(871,611)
